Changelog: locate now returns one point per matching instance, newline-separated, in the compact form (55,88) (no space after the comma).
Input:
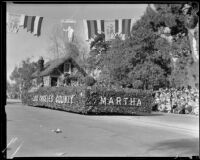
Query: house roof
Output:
(53,64)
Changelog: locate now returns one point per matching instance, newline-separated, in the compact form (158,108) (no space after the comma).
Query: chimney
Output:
(40,64)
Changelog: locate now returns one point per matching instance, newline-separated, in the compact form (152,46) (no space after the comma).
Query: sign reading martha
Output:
(54,99)
(120,101)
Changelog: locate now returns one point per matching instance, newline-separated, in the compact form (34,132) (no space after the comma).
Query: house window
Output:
(67,68)
(34,82)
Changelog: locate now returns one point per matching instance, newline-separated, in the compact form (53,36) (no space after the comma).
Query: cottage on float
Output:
(59,72)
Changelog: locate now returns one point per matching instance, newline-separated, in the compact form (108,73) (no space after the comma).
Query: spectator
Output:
(181,100)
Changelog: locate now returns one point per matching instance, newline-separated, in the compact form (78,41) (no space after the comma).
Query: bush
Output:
(59,98)
(96,100)
(118,101)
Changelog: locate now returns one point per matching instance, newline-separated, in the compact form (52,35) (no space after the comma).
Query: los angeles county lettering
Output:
(50,99)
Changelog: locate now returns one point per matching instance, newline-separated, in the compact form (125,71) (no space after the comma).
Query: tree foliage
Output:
(60,46)
(146,59)
(21,75)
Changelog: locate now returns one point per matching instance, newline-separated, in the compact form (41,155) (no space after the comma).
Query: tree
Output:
(146,58)
(141,60)
(22,74)
(57,42)
(183,23)
(13,90)
(60,46)
(8,86)
(120,60)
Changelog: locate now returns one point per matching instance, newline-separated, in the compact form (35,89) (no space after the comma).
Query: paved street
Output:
(30,132)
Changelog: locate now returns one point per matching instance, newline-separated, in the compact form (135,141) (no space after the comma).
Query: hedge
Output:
(50,97)
(92,100)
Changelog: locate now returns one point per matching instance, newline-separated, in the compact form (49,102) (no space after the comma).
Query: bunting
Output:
(68,26)
(91,27)
(31,23)
(110,28)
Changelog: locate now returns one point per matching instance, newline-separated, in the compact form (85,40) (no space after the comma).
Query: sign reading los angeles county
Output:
(66,99)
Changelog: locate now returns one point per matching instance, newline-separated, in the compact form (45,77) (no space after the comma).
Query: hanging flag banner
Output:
(126,26)
(91,28)
(14,22)
(33,24)
(110,28)
(68,26)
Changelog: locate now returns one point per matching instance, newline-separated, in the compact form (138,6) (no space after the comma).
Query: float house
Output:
(75,95)
(51,72)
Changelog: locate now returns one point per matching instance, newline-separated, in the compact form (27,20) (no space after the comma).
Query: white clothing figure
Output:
(70,33)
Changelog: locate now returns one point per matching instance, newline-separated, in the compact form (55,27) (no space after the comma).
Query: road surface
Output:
(31,133)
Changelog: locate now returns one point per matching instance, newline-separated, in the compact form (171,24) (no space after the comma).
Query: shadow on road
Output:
(118,114)
(13,103)
(95,114)
(189,146)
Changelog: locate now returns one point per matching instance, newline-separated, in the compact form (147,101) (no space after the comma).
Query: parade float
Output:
(62,84)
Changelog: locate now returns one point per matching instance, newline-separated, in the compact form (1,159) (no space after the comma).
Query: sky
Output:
(24,45)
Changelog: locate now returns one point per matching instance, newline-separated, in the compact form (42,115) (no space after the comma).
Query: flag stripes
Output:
(94,27)
(25,21)
(102,26)
(116,26)
(38,27)
(126,26)
(89,30)
(99,26)
(120,26)
(29,22)
(123,26)
(33,24)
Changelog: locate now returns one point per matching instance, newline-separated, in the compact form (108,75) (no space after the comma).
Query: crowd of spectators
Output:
(180,101)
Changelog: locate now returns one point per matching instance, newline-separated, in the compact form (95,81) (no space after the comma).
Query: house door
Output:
(54,81)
